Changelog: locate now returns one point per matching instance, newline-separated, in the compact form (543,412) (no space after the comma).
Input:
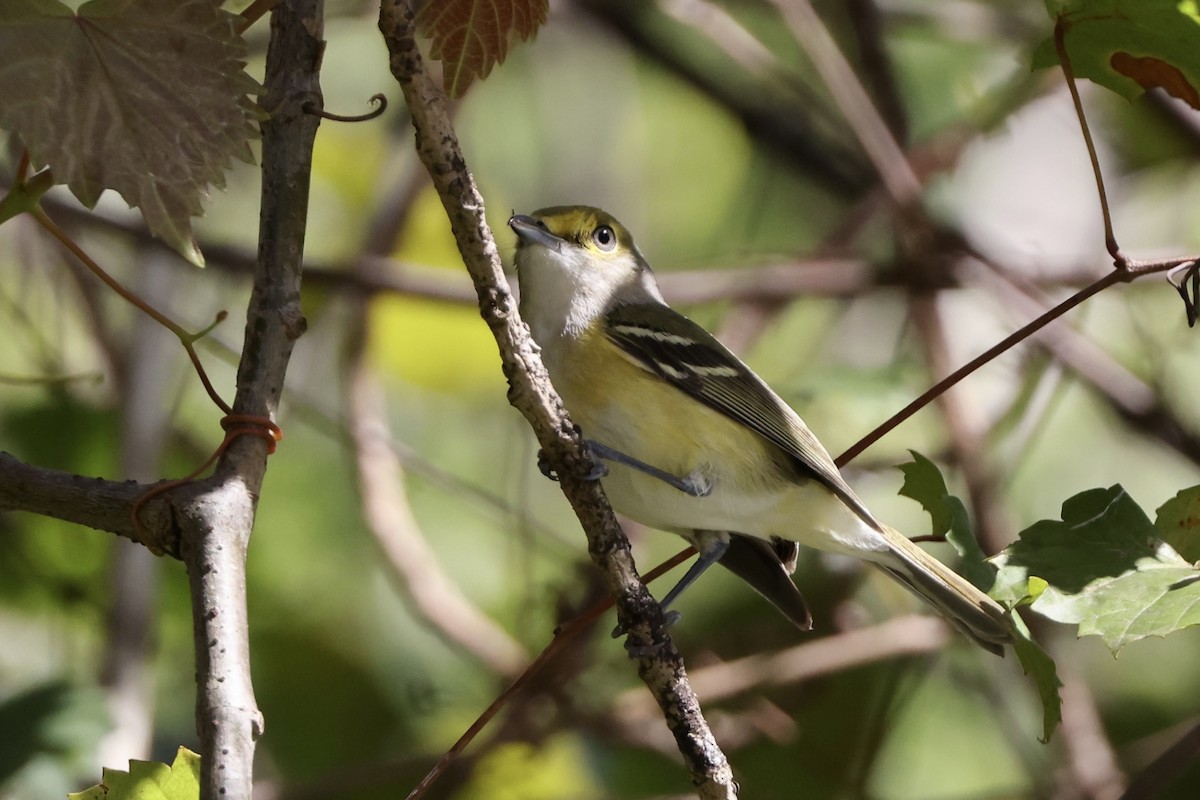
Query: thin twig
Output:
(186,338)
(1091,762)
(1149,783)
(1116,276)
(886,155)
(1128,395)
(1064,58)
(913,634)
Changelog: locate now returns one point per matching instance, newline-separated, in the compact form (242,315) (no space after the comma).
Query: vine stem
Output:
(186,338)
(1060,45)
(1116,276)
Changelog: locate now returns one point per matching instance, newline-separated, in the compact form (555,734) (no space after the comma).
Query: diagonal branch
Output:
(531,393)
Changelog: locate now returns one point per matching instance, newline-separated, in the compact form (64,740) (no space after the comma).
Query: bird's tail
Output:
(972,611)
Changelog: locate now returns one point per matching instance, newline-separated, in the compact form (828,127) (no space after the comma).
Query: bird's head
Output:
(574,264)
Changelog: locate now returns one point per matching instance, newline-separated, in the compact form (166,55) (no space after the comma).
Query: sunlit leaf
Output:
(149,780)
(1106,570)
(145,97)
(470,37)
(923,482)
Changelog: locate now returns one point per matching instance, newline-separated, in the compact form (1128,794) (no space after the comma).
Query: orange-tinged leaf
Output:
(1130,46)
(145,97)
(1154,73)
(470,37)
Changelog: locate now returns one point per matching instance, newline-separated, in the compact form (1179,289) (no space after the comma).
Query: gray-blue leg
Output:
(693,484)
(713,550)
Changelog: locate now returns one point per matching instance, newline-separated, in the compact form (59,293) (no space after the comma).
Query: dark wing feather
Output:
(685,355)
(758,564)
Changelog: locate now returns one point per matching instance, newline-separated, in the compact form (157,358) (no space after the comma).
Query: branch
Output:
(1128,395)
(91,502)
(386,511)
(1092,764)
(783,115)
(531,393)
(218,518)
(1151,781)
(899,637)
(889,160)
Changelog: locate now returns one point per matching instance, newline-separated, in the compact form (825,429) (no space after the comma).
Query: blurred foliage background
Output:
(702,127)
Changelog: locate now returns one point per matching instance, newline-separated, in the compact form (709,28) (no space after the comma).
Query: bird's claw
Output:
(646,650)
(544,466)
(598,470)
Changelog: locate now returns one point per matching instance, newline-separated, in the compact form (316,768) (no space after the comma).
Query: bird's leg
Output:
(694,484)
(711,549)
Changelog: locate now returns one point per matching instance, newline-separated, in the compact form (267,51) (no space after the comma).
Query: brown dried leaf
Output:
(1154,73)
(471,36)
(145,97)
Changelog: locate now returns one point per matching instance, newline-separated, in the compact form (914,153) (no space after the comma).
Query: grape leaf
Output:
(149,780)
(145,97)
(1178,523)
(1041,669)
(923,482)
(1106,570)
(1130,46)
(470,37)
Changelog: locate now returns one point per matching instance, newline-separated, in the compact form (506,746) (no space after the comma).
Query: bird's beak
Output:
(531,231)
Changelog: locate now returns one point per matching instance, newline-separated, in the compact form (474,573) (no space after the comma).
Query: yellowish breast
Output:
(640,414)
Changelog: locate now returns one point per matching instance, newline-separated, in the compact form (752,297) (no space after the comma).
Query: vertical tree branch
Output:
(531,393)
(217,521)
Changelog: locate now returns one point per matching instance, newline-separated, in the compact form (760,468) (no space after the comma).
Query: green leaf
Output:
(470,37)
(923,482)
(1106,569)
(145,97)
(1039,666)
(1130,46)
(1178,523)
(149,780)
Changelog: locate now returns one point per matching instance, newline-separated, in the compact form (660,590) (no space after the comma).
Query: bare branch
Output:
(1090,757)
(1151,781)
(1125,392)
(218,520)
(531,393)
(913,634)
(886,155)
(91,502)
(396,531)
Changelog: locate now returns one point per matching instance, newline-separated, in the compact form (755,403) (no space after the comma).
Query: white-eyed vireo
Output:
(700,445)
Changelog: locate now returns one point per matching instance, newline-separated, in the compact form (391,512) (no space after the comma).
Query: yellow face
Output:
(591,229)
(574,262)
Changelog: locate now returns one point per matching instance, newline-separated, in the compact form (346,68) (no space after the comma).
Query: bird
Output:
(690,440)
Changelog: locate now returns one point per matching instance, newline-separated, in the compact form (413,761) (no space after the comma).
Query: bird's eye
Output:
(604,238)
